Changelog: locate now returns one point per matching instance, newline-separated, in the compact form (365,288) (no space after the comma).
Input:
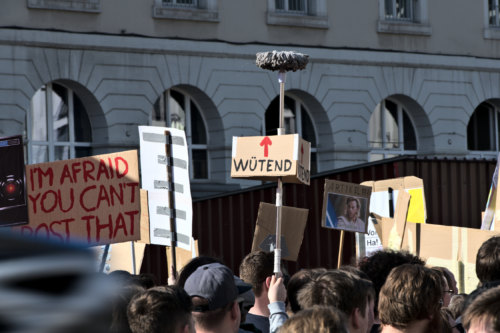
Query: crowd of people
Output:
(388,291)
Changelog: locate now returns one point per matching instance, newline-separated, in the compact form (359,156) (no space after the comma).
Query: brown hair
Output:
(209,319)
(255,268)
(488,260)
(297,281)
(339,289)
(484,310)
(319,319)
(158,311)
(410,293)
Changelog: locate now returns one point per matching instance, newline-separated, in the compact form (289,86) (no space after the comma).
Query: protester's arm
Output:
(277,297)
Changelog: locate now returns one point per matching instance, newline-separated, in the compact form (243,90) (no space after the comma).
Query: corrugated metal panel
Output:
(455,190)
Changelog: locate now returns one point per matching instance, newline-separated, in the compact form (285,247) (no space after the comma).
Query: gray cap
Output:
(213,282)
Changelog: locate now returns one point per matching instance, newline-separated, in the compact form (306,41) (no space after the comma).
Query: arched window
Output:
(483,128)
(176,109)
(391,131)
(297,120)
(58,126)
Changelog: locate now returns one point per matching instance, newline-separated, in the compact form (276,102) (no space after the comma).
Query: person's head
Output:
(483,314)
(447,292)
(191,266)
(379,264)
(345,291)
(255,268)
(448,322)
(297,281)
(457,305)
(161,311)
(214,296)
(320,319)
(410,294)
(119,321)
(450,278)
(352,206)
(488,260)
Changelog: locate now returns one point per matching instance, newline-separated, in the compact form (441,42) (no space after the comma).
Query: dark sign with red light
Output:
(13,209)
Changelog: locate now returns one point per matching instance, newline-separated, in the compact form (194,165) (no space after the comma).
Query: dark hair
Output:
(379,265)
(255,268)
(192,265)
(297,281)
(340,289)
(410,293)
(159,311)
(488,260)
(484,309)
(119,321)
(209,319)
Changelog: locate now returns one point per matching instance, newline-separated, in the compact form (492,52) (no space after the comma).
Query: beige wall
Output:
(457,25)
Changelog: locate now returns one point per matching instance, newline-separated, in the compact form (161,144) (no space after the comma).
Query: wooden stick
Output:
(341,248)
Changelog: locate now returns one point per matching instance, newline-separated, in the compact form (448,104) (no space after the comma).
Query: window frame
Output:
(419,25)
(315,15)
(494,117)
(204,11)
(165,96)
(89,6)
(51,143)
(491,31)
(391,152)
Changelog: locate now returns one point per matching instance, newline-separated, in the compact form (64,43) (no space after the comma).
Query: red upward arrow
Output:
(266,142)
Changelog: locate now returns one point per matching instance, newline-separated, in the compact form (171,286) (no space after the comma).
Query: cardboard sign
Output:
(269,157)
(91,200)
(452,247)
(345,206)
(293,223)
(13,207)
(382,200)
(167,198)
(492,211)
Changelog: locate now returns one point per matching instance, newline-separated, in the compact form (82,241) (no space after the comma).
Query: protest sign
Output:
(91,200)
(169,194)
(13,207)
(384,202)
(292,230)
(452,247)
(492,211)
(345,206)
(269,157)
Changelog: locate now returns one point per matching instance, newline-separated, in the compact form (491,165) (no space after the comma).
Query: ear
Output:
(356,318)
(235,311)
(268,282)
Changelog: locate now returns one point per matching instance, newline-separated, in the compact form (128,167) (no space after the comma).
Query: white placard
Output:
(154,164)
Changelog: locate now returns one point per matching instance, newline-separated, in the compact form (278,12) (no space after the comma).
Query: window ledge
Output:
(491,32)
(191,14)
(71,5)
(308,21)
(404,28)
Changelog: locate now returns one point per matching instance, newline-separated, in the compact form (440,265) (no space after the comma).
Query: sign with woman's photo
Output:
(345,206)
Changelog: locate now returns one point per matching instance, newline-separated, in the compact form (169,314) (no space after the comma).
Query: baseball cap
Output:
(215,283)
